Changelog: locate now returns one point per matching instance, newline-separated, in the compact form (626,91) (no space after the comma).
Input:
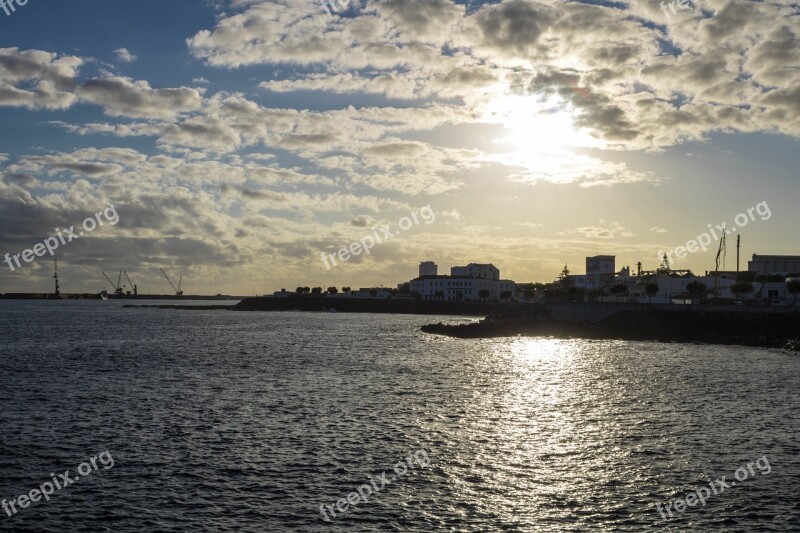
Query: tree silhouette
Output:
(563,279)
(665,267)
(651,289)
(696,288)
(794,288)
(619,289)
(741,288)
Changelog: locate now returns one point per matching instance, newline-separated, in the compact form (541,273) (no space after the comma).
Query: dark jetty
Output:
(366,305)
(181,307)
(769,330)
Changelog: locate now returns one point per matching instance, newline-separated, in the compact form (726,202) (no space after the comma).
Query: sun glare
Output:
(538,125)
(541,136)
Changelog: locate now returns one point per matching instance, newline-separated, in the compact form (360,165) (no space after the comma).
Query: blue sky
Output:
(240,140)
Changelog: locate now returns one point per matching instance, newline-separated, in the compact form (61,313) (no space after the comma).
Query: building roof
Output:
(422,278)
(776,257)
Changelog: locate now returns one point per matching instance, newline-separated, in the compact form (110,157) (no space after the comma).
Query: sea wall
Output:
(597,311)
(362,305)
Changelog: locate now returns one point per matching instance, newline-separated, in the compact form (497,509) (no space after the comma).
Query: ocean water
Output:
(225,421)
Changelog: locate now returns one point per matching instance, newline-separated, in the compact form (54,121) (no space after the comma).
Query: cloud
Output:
(612,230)
(362,221)
(35,79)
(124,97)
(124,55)
(19,178)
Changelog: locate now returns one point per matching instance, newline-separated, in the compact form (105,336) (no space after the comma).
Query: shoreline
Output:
(722,326)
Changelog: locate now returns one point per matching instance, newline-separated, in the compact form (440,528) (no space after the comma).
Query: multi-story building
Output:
(428,268)
(774,264)
(464,284)
(477,270)
(600,271)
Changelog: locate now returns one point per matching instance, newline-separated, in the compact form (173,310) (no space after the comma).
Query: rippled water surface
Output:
(224,421)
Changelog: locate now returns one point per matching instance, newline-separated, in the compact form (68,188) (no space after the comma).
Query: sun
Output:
(537,125)
(541,137)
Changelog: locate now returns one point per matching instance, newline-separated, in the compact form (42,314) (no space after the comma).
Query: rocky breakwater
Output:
(770,330)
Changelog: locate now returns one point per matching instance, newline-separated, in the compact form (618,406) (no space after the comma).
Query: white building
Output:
(774,264)
(600,271)
(477,270)
(464,284)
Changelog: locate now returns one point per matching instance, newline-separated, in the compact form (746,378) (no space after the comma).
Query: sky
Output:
(240,141)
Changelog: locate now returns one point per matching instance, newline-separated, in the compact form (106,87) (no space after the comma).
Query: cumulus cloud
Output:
(124,55)
(362,221)
(35,79)
(124,97)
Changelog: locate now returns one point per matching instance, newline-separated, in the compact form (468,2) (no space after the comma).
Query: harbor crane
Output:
(722,252)
(117,287)
(131,285)
(178,291)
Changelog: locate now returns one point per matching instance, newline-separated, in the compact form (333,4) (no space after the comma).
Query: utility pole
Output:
(738,247)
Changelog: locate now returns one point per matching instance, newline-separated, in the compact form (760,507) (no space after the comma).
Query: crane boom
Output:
(109,280)
(178,291)
(721,252)
(132,286)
